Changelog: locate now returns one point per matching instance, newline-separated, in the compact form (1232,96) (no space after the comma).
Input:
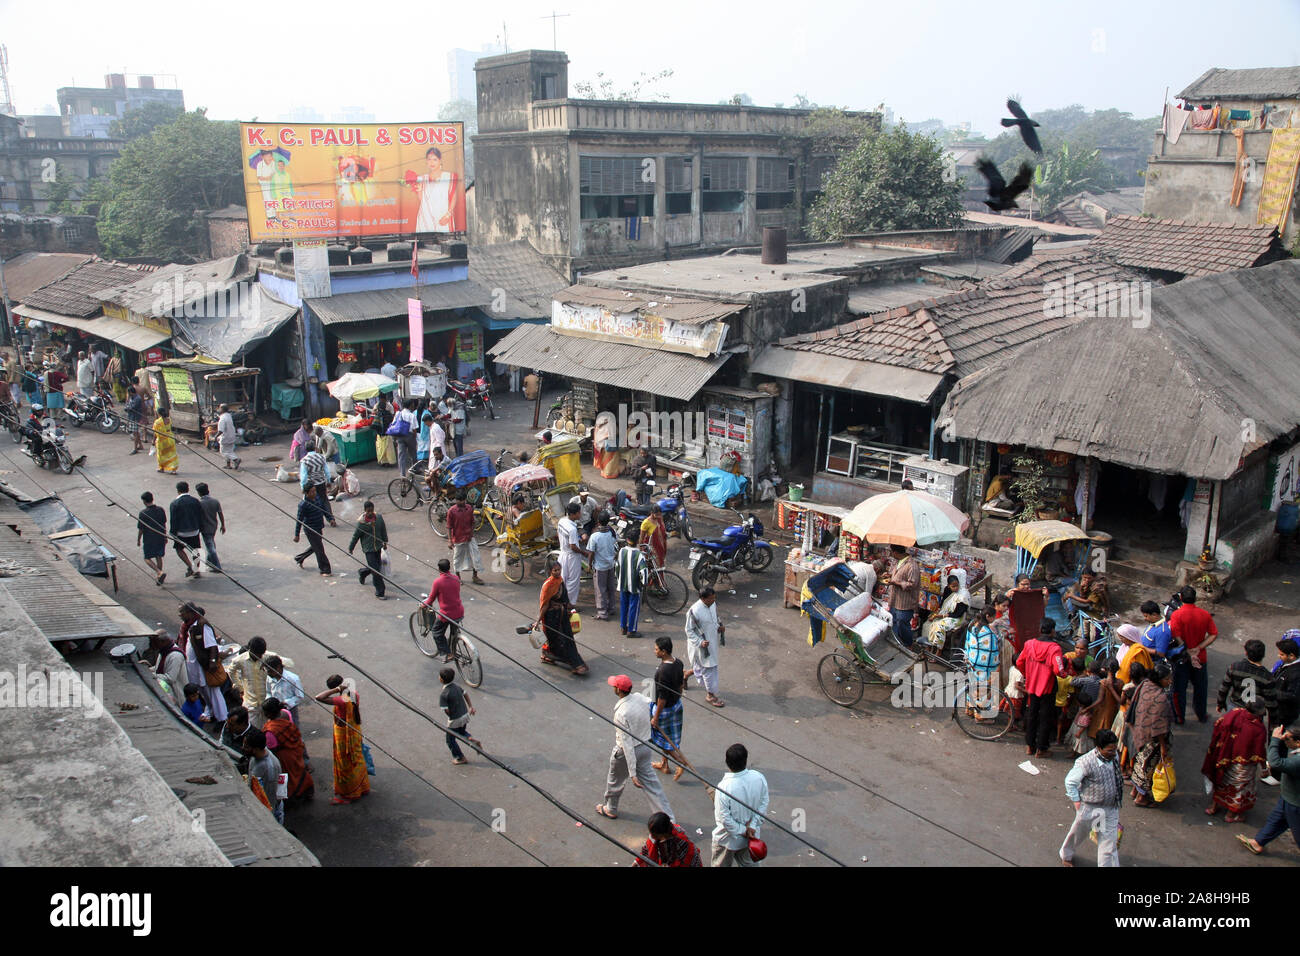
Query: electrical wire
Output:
(572,814)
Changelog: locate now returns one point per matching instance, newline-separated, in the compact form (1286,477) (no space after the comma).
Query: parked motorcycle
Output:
(54,451)
(98,410)
(475,394)
(10,419)
(741,546)
(672,507)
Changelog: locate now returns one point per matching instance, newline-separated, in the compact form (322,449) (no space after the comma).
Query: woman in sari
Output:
(553,584)
(302,441)
(1108,700)
(285,741)
(983,654)
(351,781)
(1132,651)
(655,533)
(1151,723)
(1233,761)
(557,627)
(952,612)
(165,444)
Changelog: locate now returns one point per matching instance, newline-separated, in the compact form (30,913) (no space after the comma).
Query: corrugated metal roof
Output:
(77,293)
(635,367)
(873,378)
(1171,396)
(674,308)
(1280,82)
(388,303)
(172,287)
(134,338)
(26,273)
(259,315)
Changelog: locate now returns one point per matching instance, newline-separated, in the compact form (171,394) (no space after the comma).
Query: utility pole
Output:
(554,18)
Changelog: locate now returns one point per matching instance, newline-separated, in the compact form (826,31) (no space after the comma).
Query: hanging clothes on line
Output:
(1204,119)
(1175,120)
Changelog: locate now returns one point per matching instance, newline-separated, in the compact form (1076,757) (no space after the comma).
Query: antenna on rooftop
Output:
(554,18)
(6,104)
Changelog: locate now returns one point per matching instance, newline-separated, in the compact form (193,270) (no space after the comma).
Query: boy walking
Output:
(372,534)
(455,703)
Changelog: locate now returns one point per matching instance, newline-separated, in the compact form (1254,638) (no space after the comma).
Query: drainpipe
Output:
(817,437)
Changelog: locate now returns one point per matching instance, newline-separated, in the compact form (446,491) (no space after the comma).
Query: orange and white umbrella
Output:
(906,518)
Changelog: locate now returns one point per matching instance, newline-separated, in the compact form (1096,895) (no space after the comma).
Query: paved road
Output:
(876,784)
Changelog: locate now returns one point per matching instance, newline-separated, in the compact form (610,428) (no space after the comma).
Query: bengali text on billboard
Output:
(306,181)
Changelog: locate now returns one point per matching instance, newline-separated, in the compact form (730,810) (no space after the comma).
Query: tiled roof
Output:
(1267,83)
(965,331)
(1190,248)
(520,271)
(77,293)
(26,273)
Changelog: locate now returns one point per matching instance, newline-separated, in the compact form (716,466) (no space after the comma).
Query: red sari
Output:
(291,753)
(1232,762)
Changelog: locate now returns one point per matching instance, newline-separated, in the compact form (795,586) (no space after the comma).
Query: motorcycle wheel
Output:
(108,423)
(487,407)
(72,417)
(705,573)
(759,559)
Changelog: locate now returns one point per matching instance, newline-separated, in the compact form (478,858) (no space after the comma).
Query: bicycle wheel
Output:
(840,679)
(966,712)
(493,498)
(485,532)
(758,560)
(438,517)
(665,592)
(465,654)
(404,494)
(514,565)
(422,633)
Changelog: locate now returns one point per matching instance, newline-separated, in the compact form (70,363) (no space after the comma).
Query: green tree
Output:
(144,120)
(152,200)
(466,112)
(1067,172)
(891,180)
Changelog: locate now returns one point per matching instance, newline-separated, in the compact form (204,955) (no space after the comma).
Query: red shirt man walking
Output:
(460,532)
(1195,628)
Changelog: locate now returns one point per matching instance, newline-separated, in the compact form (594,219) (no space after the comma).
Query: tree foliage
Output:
(152,201)
(144,120)
(1067,172)
(891,180)
(466,112)
(1083,131)
(643,87)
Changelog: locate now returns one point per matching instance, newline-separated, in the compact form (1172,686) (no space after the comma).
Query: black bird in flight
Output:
(1026,126)
(1001,195)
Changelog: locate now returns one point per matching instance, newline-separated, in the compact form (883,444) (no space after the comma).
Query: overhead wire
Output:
(572,814)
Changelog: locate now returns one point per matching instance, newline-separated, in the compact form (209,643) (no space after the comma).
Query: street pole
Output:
(4,296)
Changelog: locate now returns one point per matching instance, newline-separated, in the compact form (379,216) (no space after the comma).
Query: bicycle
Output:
(1105,644)
(410,491)
(974,716)
(463,652)
(665,591)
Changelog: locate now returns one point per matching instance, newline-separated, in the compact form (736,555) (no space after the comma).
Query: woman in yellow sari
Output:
(351,780)
(165,444)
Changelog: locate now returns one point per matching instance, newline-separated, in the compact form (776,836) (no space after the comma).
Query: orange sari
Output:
(291,754)
(350,778)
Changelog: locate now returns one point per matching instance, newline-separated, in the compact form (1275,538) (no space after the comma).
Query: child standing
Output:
(193,706)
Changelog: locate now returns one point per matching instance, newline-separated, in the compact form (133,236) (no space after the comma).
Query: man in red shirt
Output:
(1041,662)
(460,532)
(450,613)
(1195,628)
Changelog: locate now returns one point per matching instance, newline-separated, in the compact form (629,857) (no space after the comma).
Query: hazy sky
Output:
(923,58)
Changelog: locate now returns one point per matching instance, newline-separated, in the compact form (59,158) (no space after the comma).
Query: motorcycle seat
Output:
(637,511)
(710,543)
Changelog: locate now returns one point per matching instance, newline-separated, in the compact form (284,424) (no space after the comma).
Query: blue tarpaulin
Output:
(720,486)
(468,469)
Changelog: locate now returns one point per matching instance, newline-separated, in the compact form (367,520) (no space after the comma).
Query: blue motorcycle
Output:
(672,507)
(741,546)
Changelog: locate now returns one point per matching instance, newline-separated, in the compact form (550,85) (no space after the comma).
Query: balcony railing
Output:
(640,117)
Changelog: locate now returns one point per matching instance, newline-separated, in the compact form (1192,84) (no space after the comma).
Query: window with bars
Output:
(723,181)
(71,233)
(776,182)
(679,182)
(614,187)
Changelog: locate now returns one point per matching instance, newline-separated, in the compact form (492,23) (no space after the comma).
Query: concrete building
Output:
(228,231)
(460,70)
(33,166)
(90,111)
(1191,171)
(595,184)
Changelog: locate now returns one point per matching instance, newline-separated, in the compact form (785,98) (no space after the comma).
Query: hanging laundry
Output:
(1279,178)
(1204,119)
(1239,114)
(1175,120)
(1278,118)
(1239,176)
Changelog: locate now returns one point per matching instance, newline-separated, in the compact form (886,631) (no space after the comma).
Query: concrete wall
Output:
(48,234)
(1192,179)
(227,237)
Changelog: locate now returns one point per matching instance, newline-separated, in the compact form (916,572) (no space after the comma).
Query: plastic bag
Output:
(370,761)
(385,564)
(1163,782)
(286,474)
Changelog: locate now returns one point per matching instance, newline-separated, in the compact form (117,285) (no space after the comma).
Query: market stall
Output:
(816,531)
(422,380)
(194,388)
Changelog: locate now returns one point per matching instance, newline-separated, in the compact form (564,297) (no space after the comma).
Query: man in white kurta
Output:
(227,437)
(703,636)
(571,551)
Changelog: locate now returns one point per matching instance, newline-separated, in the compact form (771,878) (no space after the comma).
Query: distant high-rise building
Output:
(302,114)
(352,114)
(460,71)
(90,111)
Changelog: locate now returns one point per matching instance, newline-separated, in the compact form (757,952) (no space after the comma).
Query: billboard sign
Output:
(304,181)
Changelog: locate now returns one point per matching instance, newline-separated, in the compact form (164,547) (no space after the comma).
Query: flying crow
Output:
(1001,195)
(1026,126)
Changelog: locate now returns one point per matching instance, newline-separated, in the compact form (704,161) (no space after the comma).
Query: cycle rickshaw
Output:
(472,474)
